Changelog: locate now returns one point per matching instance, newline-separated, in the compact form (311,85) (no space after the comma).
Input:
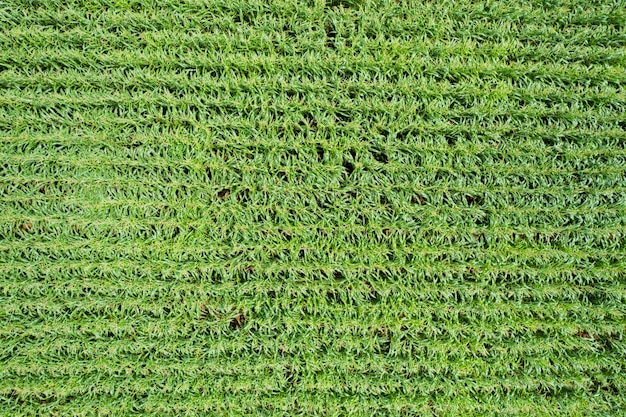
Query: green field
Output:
(315,208)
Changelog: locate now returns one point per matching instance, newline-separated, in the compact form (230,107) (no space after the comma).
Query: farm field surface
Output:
(315,208)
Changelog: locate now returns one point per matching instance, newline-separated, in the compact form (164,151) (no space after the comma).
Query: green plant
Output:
(312,208)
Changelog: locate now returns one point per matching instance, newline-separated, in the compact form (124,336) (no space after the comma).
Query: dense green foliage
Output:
(312,208)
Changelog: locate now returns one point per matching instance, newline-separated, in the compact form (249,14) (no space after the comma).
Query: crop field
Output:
(312,208)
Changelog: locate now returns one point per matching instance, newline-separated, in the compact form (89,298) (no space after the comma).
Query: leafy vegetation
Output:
(312,208)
